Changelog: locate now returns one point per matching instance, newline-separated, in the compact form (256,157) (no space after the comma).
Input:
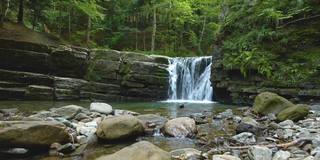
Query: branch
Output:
(298,20)
(282,145)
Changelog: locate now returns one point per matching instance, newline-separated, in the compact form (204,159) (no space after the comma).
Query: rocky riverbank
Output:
(273,129)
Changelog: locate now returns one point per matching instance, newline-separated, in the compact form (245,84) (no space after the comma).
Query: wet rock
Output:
(119,112)
(185,154)
(65,122)
(181,127)
(309,158)
(119,128)
(101,108)
(227,114)
(224,157)
(315,107)
(295,113)
(67,148)
(259,153)
(284,133)
(199,118)
(82,139)
(267,102)
(248,125)
(139,151)
(32,134)
(15,151)
(315,151)
(152,122)
(237,119)
(81,116)
(281,155)
(245,138)
(43,115)
(68,112)
(9,112)
(287,124)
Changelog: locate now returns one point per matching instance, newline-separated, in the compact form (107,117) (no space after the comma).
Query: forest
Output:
(271,36)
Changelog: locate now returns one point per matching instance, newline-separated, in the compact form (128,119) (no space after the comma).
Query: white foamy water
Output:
(190,80)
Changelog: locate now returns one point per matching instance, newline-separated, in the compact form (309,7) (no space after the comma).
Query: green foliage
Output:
(264,35)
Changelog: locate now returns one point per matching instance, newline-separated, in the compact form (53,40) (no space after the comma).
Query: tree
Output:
(4,10)
(21,12)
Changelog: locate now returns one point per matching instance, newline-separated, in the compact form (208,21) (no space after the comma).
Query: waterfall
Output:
(190,79)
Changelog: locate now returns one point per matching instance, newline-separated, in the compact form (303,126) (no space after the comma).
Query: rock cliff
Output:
(32,71)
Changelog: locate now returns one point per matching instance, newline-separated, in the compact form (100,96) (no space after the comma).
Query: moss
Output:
(294,113)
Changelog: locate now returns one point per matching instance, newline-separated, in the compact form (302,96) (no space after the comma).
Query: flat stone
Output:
(281,155)
(245,138)
(259,153)
(101,108)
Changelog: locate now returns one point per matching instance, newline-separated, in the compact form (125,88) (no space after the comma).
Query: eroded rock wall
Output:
(37,72)
(231,87)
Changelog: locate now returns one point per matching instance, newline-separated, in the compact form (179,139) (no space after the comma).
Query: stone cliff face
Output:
(231,87)
(37,72)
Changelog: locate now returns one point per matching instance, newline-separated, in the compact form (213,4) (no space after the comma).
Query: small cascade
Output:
(190,79)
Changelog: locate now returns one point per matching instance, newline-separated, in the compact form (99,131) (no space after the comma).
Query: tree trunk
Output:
(5,4)
(201,35)
(21,11)
(88,31)
(69,25)
(154,29)
(144,40)
(137,30)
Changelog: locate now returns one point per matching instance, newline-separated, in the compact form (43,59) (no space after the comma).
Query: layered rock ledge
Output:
(30,71)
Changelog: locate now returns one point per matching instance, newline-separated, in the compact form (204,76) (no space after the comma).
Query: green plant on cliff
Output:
(264,36)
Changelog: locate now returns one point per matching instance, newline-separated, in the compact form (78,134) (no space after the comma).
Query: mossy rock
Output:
(294,113)
(267,102)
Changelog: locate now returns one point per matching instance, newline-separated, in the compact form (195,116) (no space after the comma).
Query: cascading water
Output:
(190,79)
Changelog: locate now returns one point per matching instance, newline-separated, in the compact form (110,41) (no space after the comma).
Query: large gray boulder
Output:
(181,127)
(120,128)
(32,134)
(267,102)
(139,151)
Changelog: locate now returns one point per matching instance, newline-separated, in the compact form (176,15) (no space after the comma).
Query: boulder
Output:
(248,125)
(32,134)
(186,154)
(151,122)
(267,102)
(245,138)
(224,157)
(139,151)
(68,112)
(259,153)
(180,127)
(101,108)
(295,113)
(119,128)
(281,155)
